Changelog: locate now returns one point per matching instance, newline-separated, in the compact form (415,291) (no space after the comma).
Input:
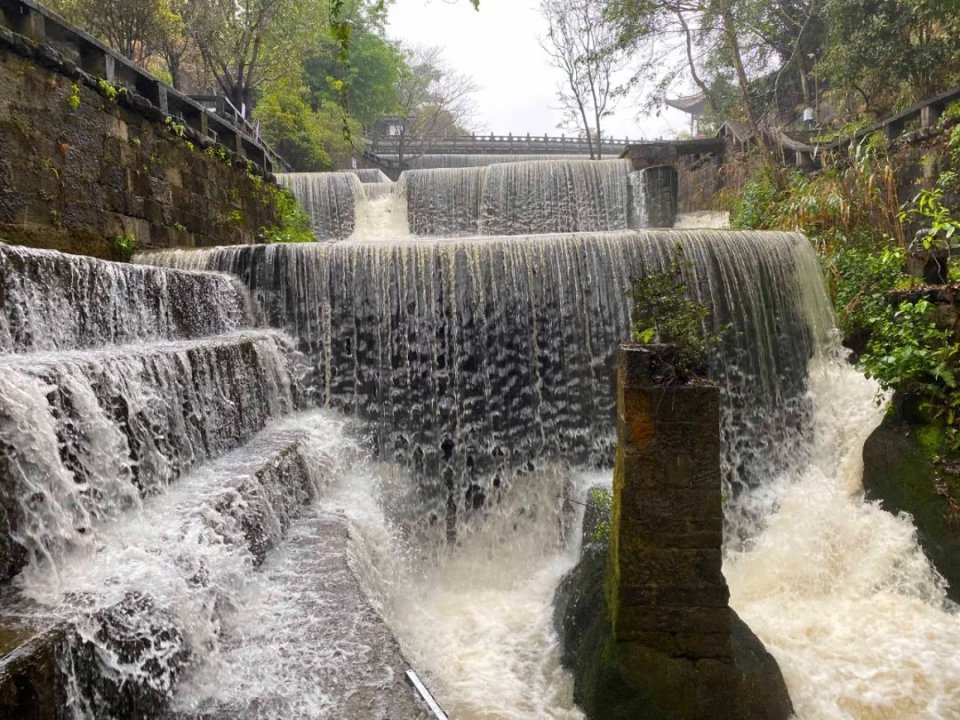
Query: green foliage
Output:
(110,91)
(938,219)
(293,223)
(73,100)
(663,311)
(861,278)
(908,352)
(890,53)
(756,205)
(176,128)
(309,141)
(951,114)
(855,200)
(122,247)
(365,85)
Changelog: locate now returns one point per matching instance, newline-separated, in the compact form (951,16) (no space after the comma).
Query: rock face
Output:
(899,470)
(644,618)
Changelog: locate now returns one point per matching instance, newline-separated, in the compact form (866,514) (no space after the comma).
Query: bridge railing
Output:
(44,28)
(492,144)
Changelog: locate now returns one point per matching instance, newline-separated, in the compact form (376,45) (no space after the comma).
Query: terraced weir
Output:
(155,449)
(266,481)
(502,198)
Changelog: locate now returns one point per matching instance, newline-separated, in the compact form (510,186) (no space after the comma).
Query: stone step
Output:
(311,624)
(52,301)
(115,627)
(85,434)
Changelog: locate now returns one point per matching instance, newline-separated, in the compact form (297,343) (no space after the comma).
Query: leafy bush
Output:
(908,352)
(122,247)
(860,280)
(664,312)
(756,205)
(293,223)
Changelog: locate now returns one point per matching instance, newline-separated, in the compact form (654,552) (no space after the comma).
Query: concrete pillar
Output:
(930,115)
(32,24)
(665,585)
(660,190)
(97,61)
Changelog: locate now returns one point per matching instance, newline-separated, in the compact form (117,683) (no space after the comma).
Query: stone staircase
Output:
(155,452)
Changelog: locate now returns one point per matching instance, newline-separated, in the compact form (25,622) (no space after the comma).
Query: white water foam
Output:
(381,214)
(838,589)
(475,618)
(189,552)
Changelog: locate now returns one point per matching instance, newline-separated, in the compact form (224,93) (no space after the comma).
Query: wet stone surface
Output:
(305,643)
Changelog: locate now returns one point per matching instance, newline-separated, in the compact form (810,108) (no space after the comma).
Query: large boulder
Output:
(901,470)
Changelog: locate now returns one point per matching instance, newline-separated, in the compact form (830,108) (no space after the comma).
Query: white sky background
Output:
(498,46)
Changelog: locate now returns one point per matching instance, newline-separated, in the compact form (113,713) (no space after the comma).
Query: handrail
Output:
(385,143)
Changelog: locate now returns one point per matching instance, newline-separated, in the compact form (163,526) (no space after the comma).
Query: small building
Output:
(693,105)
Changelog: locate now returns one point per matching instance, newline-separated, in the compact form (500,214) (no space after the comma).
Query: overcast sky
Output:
(498,46)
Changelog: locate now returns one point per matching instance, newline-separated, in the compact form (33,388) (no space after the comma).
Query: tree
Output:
(582,45)
(310,140)
(715,39)
(248,44)
(368,79)
(890,52)
(431,99)
(132,27)
(174,42)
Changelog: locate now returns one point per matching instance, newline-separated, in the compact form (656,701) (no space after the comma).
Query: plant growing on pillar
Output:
(664,312)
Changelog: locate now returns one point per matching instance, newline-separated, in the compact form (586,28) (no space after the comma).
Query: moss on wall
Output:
(901,469)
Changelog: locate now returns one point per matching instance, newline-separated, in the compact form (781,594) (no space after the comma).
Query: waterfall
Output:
(371,176)
(51,301)
(508,198)
(330,200)
(444,203)
(152,455)
(476,357)
(550,196)
(436,162)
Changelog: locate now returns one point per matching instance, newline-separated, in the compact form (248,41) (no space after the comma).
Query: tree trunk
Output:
(730,31)
(599,136)
(704,88)
(586,126)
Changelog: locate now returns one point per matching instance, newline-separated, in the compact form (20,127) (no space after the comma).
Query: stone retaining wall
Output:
(85,167)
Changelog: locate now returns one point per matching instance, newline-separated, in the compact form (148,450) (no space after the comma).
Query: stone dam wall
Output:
(85,162)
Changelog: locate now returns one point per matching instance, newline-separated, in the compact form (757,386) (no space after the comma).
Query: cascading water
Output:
(436,162)
(154,481)
(329,199)
(143,483)
(476,357)
(513,198)
(51,301)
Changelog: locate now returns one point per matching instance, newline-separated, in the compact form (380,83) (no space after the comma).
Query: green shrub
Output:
(664,312)
(122,247)
(293,223)
(756,206)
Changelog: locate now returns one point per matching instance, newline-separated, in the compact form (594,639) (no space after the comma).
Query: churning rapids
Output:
(195,538)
